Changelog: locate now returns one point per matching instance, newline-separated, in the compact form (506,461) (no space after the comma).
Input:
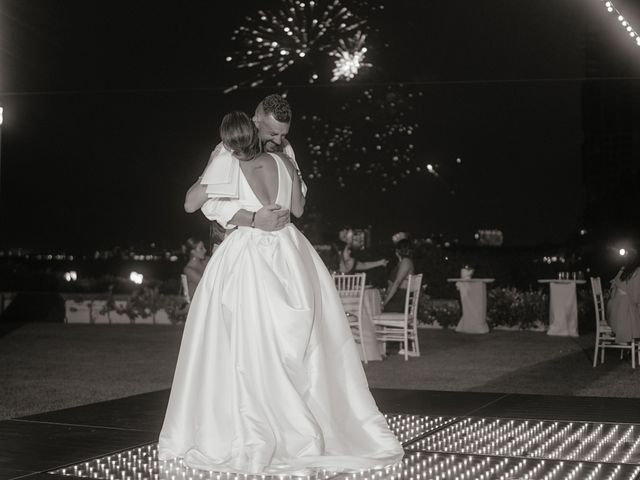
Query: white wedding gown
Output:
(268,378)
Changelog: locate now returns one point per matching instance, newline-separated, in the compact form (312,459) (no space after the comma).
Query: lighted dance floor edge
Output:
(47,442)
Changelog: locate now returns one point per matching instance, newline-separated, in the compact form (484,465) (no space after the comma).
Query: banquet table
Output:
(473,295)
(563,306)
(371,306)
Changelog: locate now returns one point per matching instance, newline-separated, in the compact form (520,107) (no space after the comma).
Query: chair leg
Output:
(364,351)
(595,355)
(602,349)
(633,357)
(406,346)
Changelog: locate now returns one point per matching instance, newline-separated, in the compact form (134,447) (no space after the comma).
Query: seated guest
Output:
(624,303)
(349,265)
(197,262)
(396,292)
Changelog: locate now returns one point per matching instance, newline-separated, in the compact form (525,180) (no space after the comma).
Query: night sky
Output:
(111,110)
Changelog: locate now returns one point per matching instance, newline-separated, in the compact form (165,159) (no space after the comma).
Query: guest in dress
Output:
(349,265)
(395,295)
(194,269)
(624,302)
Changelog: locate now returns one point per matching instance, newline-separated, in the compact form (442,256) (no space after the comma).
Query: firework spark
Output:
(375,138)
(299,33)
(350,58)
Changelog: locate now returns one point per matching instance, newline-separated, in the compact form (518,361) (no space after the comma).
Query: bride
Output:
(268,379)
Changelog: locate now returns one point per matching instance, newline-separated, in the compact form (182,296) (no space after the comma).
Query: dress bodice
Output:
(249,200)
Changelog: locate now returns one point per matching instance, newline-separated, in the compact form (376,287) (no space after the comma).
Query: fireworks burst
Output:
(304,33)
(350,58)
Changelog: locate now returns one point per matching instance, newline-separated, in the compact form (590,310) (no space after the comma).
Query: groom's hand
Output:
(271,218)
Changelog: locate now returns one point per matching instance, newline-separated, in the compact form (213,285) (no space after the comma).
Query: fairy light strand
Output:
(624,23)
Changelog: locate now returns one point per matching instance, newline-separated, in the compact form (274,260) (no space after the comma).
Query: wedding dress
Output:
(268,379)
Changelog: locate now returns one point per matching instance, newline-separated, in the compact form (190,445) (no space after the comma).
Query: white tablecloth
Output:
(473,295)
(370,307)
(563,307)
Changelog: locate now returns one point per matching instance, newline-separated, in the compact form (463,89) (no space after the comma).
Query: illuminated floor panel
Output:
(592,442)
(442,448)
(140,464)
(408,428)
(438,466)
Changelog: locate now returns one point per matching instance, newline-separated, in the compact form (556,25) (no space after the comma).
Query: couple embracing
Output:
(268,379)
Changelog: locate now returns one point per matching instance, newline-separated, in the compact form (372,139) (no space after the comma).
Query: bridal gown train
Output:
(268,378)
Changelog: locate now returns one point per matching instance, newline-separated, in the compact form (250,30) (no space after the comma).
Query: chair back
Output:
(598,301)
(414,282)
(351,291)
(184,288)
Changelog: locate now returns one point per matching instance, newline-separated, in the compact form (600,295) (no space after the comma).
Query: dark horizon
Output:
(110,115)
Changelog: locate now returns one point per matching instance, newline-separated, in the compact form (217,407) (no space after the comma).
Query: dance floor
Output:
(446,436)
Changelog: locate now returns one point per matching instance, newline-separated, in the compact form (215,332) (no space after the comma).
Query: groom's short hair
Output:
(277,106)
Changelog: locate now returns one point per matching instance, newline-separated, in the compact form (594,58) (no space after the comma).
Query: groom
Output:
(219,181)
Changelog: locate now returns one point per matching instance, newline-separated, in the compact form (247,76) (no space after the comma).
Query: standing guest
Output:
(624,304)
(198,259)
(349,265)
(398,279)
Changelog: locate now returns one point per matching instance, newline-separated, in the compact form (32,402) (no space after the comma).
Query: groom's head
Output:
(272,118)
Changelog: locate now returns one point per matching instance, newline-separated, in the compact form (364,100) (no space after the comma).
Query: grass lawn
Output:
(52,366)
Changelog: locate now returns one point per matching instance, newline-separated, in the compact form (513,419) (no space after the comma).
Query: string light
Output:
(624,23)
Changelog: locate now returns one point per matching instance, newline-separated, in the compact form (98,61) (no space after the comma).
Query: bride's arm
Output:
(197,194)
(288,150)
(297,197)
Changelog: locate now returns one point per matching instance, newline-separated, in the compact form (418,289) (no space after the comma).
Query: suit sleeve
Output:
(221,210)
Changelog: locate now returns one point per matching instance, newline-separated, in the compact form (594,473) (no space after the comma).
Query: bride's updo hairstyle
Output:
(240,135)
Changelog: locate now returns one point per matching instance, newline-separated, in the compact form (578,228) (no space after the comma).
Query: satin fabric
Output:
(268,379)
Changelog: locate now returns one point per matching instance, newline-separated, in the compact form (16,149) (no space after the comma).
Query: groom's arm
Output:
(228,213)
